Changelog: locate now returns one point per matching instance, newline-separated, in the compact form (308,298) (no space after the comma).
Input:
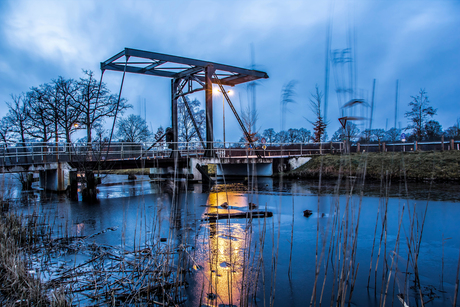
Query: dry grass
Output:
(18,285)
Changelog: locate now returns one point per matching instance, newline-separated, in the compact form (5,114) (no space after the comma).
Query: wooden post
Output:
(359,148)
(452,144)
(384,149)
(89,193)
(73,191)
(442,143)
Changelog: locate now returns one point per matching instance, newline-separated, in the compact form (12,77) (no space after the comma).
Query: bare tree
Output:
(5,131)
(66,92)
(393,134)
(95,103)
(292,135)
(39,115)
(432,130)
(379,135)
(133,129)
(454,131)
(419,113)
(281,137)
(249,117)
(350,132)
(269,135)
(18,117)
(304,135)
(187,131)
(365,136)
(159,136)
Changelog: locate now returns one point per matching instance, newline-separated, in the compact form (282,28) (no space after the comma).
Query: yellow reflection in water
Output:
(222,251)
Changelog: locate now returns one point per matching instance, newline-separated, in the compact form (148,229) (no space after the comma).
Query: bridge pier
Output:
(242,167)
(89,188)
(56,177)
(196,169)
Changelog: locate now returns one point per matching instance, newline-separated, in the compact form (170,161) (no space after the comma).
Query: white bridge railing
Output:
(35,152)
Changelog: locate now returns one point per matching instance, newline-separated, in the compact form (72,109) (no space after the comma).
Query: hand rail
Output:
(39,153)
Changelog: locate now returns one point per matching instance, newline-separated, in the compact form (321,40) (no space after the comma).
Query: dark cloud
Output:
(413,41)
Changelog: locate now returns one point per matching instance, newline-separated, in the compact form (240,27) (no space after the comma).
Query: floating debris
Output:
(197,267)
(230,187)
(225,264)
(239,215)
(307,213)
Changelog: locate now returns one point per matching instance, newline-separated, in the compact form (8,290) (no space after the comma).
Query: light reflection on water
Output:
(225,253)
(220,253)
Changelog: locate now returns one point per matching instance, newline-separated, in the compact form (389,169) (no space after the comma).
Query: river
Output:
(254,262)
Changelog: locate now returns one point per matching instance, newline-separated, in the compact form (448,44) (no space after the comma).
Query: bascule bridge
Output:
(187,76)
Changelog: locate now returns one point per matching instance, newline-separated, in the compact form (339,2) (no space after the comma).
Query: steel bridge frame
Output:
(187,76)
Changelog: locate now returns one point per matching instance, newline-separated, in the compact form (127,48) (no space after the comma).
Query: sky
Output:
(415,42)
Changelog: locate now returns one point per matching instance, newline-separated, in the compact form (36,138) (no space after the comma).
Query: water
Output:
(234,261)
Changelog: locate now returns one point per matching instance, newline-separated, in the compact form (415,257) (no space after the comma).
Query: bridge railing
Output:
(39,153)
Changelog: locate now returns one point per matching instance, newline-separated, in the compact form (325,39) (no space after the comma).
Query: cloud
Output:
(413,41)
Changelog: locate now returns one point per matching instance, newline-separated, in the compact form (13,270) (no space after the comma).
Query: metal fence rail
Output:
(402,147)
(39,153)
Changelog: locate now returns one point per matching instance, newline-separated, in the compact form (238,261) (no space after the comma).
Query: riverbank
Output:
(19,285)
(416,166)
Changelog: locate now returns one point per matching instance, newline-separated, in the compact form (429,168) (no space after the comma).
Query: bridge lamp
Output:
(229,92)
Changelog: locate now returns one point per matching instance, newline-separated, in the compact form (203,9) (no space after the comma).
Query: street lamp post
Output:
(229,92)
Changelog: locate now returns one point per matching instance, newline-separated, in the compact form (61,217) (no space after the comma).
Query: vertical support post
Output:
(209,152)
(384,147)
(73,192)
(452,144)
(60,179)
(174,86)
(442,143)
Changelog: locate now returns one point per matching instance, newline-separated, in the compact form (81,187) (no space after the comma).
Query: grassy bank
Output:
(442,166)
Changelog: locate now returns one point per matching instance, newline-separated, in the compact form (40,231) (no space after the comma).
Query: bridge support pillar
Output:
(174,119)
(56,177)
(89,189)
(209,152)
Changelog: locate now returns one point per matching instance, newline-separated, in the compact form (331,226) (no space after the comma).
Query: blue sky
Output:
(417,42)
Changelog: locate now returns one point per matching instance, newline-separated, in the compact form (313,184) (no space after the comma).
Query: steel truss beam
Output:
(181,67)
(183,73)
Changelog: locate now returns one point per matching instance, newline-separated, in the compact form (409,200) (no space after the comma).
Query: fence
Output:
(38,153)
(401,147)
